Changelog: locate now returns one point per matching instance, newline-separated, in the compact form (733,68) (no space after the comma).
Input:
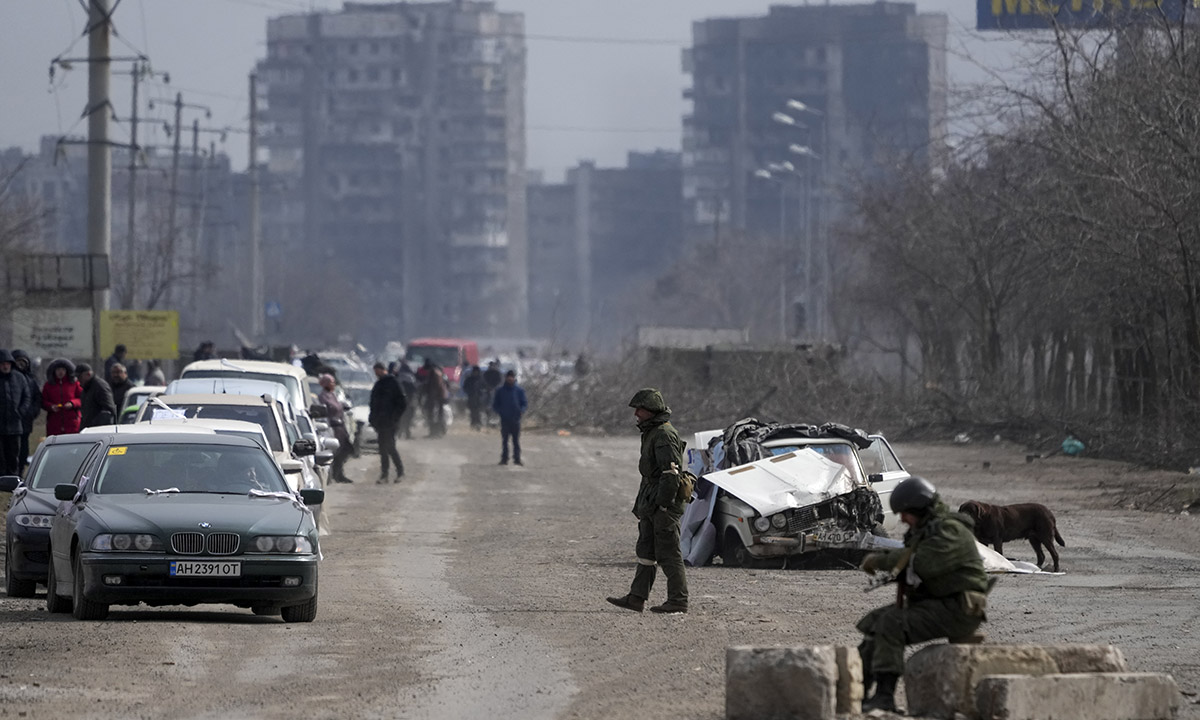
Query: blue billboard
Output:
(1080,14)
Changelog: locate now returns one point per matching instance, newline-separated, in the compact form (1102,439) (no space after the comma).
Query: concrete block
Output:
(849,680)
(939,680)
(1087,658)
(1078,696)
(787,683)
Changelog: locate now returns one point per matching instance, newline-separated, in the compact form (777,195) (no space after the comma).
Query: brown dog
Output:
(996,524)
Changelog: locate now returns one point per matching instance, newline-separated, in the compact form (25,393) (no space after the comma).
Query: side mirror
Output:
(304,447)
(323,458)
(290,466)
(332,444)
(875,478)
(309,436)
(318,410)
(312,496)
(321,426)
(8,483)
(65,491)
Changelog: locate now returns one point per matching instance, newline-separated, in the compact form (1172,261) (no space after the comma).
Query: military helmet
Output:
(913,495)
(649,399)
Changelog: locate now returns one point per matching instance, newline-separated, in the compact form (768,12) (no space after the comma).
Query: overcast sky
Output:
(589,96)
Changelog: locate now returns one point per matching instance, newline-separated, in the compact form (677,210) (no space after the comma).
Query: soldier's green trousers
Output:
(888,629)
(658,542)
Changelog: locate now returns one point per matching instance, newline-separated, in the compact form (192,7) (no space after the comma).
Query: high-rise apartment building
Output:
(792,108)
(401,129)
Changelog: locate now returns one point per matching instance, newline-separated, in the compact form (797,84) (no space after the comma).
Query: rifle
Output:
(896,574)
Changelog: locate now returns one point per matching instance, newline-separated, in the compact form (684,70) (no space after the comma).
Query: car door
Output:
(886,471)
(62,528)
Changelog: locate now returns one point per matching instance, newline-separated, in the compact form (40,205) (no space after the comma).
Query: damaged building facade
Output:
(398,132)
(791,108)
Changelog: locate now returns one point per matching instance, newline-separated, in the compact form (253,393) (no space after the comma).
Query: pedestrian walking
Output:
(658,507)
(118,356)
(120,383)
(96,406)
(435,392)
(473,388)
(492,377)
(943,590)
(62,398)
(335,415)
(23,363)
(387,405)
(408,384)
(14,406)
(509,403)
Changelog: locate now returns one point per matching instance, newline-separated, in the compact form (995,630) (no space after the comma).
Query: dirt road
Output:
(477,591)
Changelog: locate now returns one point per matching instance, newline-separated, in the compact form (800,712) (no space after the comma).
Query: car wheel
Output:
(264,610)
(16,587)
(304,612)
(84,609)
(55,603)
(733,552)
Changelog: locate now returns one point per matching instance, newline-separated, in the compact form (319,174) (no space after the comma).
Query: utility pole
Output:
(257,296)
(131,240)
(99,156)
(169,255)
(194,221)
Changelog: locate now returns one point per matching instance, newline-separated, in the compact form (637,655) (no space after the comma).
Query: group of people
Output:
(73,396)
(943,586)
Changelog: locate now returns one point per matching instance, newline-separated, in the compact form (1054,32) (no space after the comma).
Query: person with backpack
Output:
(658,507)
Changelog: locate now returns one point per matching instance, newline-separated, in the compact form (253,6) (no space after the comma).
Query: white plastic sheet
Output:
(792,480)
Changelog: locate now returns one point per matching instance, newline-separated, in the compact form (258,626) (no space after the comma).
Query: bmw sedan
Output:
(172,518)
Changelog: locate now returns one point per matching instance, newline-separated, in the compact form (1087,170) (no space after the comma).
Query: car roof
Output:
(215,399)
(258,366)
(182,436)
(139,428)
(145,390)
(211,424)
(225,386)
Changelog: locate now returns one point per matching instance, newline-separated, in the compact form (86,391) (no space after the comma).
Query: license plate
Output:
(204,568)
(835,537)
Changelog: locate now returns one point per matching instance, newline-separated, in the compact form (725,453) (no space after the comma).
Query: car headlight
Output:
(281,544)
(762,524)
(126,542)
(34,521)
(778,521)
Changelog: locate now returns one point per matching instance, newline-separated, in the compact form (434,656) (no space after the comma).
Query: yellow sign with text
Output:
(146,334)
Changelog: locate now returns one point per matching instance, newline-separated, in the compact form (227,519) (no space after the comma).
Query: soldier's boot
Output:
(885,692)
(670,607)
(629,602)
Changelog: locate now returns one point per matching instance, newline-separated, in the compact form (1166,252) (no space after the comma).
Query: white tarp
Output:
(994,562)
(792,480)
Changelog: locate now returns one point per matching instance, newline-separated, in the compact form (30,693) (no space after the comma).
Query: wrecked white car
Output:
(768,491)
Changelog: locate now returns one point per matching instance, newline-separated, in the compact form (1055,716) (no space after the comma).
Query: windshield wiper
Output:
(161,492)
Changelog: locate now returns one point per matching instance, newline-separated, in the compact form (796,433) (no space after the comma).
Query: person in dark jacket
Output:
(944,587)
(97,406)
(509,404)
(120,384)
(658,507)
(492,377)
(387,405)
(408,384)
(62,398)
(23,364)
(14,406)
(118,357)
(472,386)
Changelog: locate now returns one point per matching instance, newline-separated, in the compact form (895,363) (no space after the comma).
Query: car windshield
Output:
(249,435)
(58,464)
(191,468)
(260,415)
(840,453)
(441,356)
(359,395)
(288,381)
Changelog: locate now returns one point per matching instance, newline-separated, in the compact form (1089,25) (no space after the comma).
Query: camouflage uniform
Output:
(946,594)
(658,506)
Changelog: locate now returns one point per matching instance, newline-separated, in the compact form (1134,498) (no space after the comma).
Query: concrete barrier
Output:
(940,680)
(787,683)
(849,680)
(1078,696)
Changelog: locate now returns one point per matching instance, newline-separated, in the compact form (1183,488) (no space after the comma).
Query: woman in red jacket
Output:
(61,397)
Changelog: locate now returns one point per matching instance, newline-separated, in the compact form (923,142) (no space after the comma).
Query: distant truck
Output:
(448,353)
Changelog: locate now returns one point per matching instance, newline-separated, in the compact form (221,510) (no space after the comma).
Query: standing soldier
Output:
(22,363)
(387,405)
(658,507)
(14,406)
(944,587)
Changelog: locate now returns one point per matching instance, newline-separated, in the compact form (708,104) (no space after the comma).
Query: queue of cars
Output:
(212,495)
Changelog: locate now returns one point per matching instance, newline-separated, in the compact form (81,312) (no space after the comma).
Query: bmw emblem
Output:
(205,525)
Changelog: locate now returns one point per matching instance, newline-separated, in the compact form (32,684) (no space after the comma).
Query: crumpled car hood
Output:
(792,480)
